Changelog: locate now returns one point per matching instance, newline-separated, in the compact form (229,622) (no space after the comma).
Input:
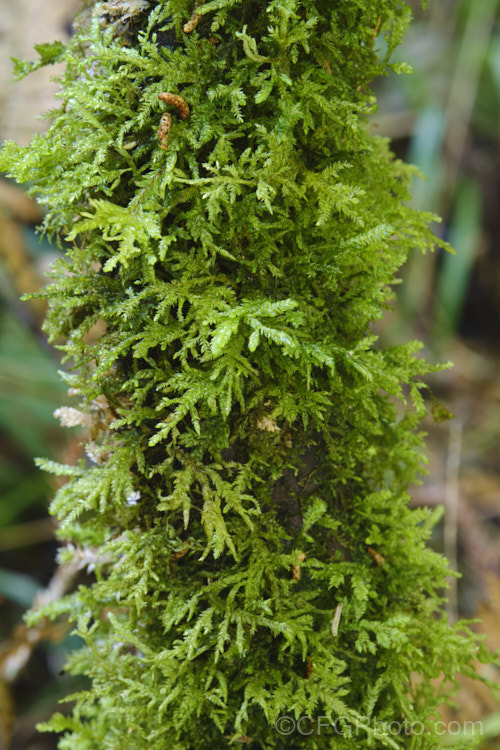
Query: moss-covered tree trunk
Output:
(234,229)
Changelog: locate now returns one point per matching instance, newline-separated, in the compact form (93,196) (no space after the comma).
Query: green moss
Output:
(252,444)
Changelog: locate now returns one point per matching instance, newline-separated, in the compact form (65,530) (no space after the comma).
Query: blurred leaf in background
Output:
(445,119)
(30,391)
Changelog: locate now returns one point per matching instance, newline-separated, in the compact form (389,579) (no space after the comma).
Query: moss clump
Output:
(244,503)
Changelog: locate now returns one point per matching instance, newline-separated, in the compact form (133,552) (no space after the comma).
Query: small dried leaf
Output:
(335,621)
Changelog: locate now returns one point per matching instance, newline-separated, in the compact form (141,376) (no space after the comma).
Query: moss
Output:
(251,442)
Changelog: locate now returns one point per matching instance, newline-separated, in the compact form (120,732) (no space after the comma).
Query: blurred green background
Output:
(444,119)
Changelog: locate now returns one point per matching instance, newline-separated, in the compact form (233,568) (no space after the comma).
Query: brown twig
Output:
(377,28)
(16,652)
(452,498)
